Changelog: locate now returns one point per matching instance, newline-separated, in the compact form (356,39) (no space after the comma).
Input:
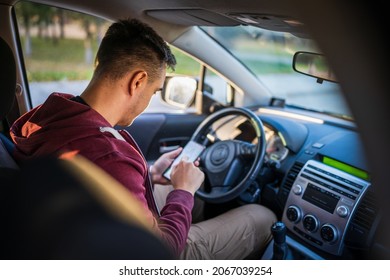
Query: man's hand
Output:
(161,164)
(187,176)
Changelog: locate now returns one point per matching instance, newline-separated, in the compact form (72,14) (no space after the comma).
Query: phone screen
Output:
(192,150)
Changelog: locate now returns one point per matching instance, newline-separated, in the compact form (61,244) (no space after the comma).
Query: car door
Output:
(158,133)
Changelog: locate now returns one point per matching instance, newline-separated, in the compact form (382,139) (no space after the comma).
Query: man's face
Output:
(151,89)
(143,99)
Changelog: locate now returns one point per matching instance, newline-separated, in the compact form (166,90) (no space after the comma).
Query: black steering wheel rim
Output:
(258,157)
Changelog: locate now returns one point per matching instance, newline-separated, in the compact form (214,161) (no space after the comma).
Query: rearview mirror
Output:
(179,91)
(314,65)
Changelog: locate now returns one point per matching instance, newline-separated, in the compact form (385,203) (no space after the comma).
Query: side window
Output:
(59,48)
(216,86)
(185,64)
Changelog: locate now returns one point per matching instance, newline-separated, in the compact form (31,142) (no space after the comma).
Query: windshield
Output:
(269,56)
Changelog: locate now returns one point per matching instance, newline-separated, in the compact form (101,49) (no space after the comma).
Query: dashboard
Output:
(276,146)
(314,177)
(324,193)
(239,128)
(320,186)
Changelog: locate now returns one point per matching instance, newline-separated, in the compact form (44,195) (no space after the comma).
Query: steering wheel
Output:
(224,161)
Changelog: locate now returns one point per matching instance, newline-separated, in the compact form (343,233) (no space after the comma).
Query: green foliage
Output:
(64,60)
(269,68)
(185,64)
(44,76)
(52,61)
(48,54)
(67,50)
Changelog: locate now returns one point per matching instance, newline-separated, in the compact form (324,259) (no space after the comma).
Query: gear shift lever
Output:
(281,251)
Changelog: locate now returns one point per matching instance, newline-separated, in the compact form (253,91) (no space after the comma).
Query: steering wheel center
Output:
(220,154)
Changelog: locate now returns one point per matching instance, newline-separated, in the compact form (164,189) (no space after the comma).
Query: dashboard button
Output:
(310,223)
(318,145)
(342,211)
(297,189)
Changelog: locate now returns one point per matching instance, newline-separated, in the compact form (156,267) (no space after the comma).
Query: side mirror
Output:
(179,91)
(314,65)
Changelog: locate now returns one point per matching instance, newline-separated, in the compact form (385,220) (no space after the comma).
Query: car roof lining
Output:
(172,18)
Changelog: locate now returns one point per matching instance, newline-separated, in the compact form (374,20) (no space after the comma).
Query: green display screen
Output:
(346,168)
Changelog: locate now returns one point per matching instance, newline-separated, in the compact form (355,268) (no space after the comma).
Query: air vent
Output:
(361,229)
(366,211)
(288,182)
(292,175)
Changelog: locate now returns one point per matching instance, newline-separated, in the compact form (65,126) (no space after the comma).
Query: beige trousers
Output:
(240,233)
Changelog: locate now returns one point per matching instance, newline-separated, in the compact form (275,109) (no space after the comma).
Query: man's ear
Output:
(137,81)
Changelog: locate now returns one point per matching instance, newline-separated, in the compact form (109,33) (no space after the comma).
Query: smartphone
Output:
(192,150)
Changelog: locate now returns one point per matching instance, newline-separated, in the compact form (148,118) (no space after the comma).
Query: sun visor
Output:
(190,17)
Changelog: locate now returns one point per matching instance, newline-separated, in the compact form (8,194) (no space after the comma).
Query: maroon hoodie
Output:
(62,125)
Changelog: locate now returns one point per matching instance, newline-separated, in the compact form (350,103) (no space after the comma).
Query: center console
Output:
(321,203)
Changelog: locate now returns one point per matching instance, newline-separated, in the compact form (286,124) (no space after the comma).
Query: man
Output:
(131,66)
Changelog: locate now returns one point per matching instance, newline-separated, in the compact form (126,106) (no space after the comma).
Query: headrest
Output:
(7,78)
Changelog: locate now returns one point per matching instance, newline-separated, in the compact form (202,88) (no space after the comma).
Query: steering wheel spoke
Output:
(245,149)
(218,191)
(235,171)
(215,179)
(228,176)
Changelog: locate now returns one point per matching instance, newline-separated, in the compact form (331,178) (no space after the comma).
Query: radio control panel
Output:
(321,203)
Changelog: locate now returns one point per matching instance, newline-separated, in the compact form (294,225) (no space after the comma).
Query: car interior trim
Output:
(290,115)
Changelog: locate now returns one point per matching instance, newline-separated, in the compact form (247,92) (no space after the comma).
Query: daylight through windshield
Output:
(269,55)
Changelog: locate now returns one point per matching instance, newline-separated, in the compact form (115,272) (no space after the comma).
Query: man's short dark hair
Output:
(131,43)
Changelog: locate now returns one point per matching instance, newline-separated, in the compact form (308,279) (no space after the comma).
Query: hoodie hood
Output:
(59,119)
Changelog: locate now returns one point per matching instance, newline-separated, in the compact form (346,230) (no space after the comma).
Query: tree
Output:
(27,11)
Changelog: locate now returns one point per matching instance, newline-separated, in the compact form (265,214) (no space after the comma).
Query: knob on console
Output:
(342,211)
(293,214)
(297,189)
(310,223)
(329,233)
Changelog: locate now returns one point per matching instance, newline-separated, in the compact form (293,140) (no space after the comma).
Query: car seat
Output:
(71,209)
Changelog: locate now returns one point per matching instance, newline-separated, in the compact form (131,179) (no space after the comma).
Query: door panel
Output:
(157,133)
